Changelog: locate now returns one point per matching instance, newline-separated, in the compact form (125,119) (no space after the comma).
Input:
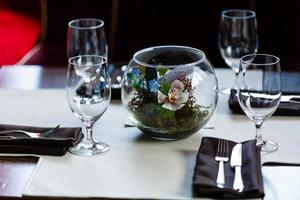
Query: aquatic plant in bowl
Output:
(169,92)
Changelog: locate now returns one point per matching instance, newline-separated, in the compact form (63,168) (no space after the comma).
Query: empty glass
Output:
(86,36)
(237,37)
(259,92)
(88,94)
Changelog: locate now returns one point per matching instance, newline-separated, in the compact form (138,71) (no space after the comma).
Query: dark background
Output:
(132,25)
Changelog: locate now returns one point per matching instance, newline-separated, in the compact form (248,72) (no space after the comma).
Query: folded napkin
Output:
(206,169)
(56,144)
(284,108)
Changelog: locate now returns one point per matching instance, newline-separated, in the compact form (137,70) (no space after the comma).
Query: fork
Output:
(31,134)
(221,157)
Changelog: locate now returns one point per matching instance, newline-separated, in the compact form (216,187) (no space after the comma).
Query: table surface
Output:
(15,171)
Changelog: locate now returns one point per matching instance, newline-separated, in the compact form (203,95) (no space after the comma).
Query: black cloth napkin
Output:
(284,108)
(56,144)
(206,169)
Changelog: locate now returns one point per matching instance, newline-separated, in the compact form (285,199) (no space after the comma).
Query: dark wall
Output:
(61,12)
(190,23)
(144,23)
(279,31)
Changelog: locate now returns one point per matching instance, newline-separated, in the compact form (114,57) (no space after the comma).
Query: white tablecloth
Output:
(136,166)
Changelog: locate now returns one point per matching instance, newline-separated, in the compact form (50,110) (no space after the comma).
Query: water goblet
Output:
(237,37)
(88,95)
(259,92)
(86,36)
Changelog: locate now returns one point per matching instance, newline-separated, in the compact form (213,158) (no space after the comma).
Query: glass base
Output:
(267,146)
(89,149)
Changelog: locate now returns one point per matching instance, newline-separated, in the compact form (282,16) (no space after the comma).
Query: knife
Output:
(290,98)
(236,162)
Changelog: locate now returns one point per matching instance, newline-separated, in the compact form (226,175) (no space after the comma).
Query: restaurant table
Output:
(136,167)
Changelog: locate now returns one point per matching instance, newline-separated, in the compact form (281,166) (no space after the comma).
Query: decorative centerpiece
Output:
(170,92)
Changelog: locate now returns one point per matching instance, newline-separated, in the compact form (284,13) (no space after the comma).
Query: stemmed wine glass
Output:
(86,36)
(259,92)
(237,37)
(88,94)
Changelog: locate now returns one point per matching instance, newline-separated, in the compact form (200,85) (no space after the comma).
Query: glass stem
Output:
(258,135)
(88,137)
(235,86)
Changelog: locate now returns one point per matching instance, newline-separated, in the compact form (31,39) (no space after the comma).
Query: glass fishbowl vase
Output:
(169,92)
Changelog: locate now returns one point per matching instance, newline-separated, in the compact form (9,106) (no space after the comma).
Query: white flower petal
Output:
(180,106)
(172,106)
(161,98)
(184,97)
(168,105)
(178,85)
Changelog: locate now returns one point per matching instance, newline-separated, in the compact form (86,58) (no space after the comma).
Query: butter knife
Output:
(290,98)
(236,162)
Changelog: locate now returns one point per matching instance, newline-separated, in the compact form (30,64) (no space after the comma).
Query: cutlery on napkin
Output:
(290,98)
(206,169)
(236,163)
(56,143)
(44,134)
(289,105)
(221,157)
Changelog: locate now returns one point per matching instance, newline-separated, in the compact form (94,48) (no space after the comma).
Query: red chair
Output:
(20,30)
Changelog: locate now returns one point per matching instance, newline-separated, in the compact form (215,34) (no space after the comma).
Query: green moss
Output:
(162,71)
(165,87)
(184,120)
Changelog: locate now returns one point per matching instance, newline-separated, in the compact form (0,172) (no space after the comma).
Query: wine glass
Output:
(259,92)
(237,37)
(86,36)
(88,94)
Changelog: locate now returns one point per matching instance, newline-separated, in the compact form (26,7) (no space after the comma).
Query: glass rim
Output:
(277,59)
(251,13)
(167,66)
(101,23)
(72,60)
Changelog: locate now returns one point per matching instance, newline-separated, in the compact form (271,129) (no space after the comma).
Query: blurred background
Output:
(33,32)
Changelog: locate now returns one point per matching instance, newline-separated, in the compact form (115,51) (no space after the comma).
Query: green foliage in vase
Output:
(130,76)
(183,120)
(162,71)
(142,70)
(165,87)
(135,76)
(152,113)
(138,84)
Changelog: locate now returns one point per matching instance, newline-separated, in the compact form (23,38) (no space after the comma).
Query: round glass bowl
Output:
(169,92)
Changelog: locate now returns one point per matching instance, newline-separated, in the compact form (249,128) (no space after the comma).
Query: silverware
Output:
(7,137)
(236,162)
(290,98)
(284,98)
(221,157)
(30,134)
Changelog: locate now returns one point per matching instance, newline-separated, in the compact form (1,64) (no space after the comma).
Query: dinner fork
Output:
(31,134)
(221,157)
